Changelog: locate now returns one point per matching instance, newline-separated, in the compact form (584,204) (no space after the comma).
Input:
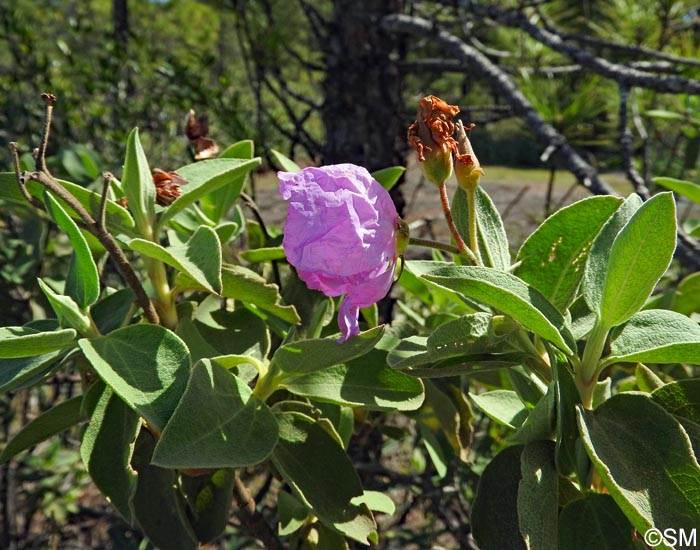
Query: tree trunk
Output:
(362,112)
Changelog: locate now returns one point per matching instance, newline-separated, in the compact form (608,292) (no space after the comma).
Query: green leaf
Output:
(594,522)
(118,218)
(435,450)
(210,498)
(453,413)
(313,355)
(14,372)
(217,424)
(292,513)
(495,523)
(388,177)
(110,313)
(146,365)
(52,422)
(540,422)
(650,471)
(205,177)
(318,469)
(553,258)
(510,295)
(247,286)
(502,406)
(469,335)
(538,495)
(283,162)
(366,381)
(243,149)
(68,312)
(491,235)
(158,505)
(687,299)
(258,255)
(681,399)
(567,399)
(238,332)
(646,379)
(200,257)
(596,270)
(377,502)
(656,336)
(138,185)
(217,204)
(18,342)
(640,254)
(687,189)
(83,281)
(106,451)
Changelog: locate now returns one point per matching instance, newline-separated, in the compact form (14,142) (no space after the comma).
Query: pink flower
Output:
(340,235)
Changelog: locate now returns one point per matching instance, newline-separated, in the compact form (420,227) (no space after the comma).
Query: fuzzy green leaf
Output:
(491,235)
(199,257)
(366,381)
(205,177)
(16,342)
(138,185)
(388,177)
(217,424)
(538,495)
(645,460)
(313,463)
(510,295)
(146,365)
(247,286)
(312,355)
(502,406)
(553,258)
(687,189)
(656,336)
(82,281)
(594,522)
(106,450)
(52,422)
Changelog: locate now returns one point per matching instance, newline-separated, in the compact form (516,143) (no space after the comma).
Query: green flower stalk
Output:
(468,171)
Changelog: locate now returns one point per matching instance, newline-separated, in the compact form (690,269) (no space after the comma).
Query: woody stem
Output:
(463,248)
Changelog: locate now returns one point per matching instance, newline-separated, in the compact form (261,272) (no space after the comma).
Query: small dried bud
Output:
(431,136)
(467,167)
(167,186)
(196,130)
(124,202)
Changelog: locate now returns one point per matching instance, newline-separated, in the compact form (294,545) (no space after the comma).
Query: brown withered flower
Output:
(167,186)
(196,130)
(467,167)
(431,136)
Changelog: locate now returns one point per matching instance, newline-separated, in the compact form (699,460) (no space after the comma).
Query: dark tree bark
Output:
(362,111)
(120,15)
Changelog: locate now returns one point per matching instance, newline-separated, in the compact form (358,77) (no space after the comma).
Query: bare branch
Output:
(103,236)
(626,149)
(252,519)
(620,73)
(49,100)
(14,154)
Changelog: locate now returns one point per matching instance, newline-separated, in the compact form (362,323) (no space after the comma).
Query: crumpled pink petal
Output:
(340,235)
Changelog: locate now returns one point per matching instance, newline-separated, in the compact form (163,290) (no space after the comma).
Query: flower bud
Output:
(467,167)
(431,136)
